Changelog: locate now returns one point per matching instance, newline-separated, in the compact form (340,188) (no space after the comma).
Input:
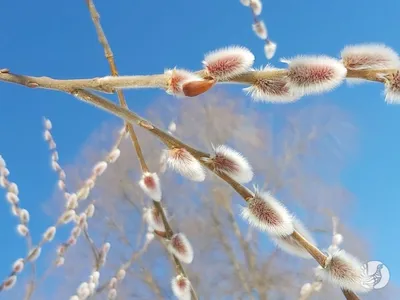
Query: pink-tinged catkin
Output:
(314,74)
(153,218)
(270,49)
(223,64)
(392,88)
(232,163)
(290,245)
(180,160)
(345,271)
(150,184)
(274,90)
(181,287)
(266,213)
(180,246)
(177,78)
(369,56)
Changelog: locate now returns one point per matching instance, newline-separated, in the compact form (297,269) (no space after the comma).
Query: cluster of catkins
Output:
(259,27)
(304,75)
(263,211)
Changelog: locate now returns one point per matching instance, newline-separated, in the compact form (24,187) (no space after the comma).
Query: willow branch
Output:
(109,84)
(114,72)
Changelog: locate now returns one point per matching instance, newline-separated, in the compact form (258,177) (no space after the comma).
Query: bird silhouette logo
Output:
(376,275)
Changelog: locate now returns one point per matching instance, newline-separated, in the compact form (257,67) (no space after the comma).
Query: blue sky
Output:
(57,39)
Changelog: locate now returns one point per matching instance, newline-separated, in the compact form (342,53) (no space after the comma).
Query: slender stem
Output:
(110,58)
(114,72)
(109,84)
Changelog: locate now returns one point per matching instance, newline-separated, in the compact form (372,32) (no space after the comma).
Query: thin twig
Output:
(110,58)
(109,84)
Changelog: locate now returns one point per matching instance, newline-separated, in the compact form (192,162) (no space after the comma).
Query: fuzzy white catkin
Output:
(260,29)
(99,168)
(112,294)
(12,198)
(256,5)
(24,216)
(34,254)
(18,265)
(13,188)
(114,155)
(121,274)
(49,234)
(22,230)
(9,282)
(270,49)
(337,239)
(90,210)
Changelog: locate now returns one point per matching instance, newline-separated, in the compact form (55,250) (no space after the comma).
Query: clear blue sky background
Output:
(57,38)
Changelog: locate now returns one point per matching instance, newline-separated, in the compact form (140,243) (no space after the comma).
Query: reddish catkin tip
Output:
(392,88)
(176,80)
(314,74)
(195,88)
(229,62)
(150,184)
(181,161)
(181,287)
(369,56)
(181,248)
(274,90)
(347,272)
(290,245)
(268,214)
(232,163)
